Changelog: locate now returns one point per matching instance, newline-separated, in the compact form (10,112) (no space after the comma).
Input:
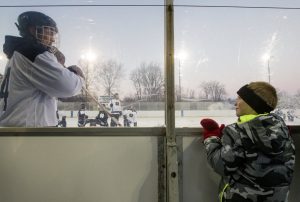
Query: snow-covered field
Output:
(183,119)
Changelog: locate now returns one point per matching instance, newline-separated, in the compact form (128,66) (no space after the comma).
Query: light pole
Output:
(179,81)
(181,56)
(266,58)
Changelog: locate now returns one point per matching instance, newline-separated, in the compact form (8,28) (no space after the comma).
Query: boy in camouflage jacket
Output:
(256,155)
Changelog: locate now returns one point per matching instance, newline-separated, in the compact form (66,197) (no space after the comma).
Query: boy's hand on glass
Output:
(211,128)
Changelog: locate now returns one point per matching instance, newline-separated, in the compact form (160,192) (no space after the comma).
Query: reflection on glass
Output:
(230,47)
(120,50)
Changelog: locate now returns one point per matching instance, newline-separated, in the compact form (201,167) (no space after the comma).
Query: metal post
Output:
(171,146)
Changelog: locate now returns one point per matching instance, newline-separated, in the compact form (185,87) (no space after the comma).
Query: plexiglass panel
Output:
(120,48)
(76,169)
(222,45)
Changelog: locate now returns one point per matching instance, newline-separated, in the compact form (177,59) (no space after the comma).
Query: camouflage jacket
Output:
(255,159)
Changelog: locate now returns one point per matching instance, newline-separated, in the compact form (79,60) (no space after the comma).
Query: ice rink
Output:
(183,119)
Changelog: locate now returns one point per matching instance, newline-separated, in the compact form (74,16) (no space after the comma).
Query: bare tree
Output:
(151,80)
(136,78)
(109,73)
(189,93)
(87,69)
(206,90)
(285,101)
(213,90)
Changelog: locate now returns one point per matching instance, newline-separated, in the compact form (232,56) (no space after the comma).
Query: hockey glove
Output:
(76,70)
(211,128)
(60,57)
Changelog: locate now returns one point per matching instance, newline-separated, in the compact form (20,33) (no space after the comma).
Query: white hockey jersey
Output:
(130,117)
(32,83)
(115,106)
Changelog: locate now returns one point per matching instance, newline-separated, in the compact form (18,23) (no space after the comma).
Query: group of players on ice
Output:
(129,115)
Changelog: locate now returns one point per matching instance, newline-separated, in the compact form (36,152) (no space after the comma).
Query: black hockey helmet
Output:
(44,29)
(33,19)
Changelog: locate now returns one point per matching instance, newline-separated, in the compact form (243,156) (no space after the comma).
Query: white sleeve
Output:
(52,78)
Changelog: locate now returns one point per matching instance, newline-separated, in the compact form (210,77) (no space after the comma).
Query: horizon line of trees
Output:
(148,82)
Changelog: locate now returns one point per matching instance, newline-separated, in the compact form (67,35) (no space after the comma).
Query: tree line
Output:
(147,80)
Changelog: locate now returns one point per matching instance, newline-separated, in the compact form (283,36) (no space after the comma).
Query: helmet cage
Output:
(47,36)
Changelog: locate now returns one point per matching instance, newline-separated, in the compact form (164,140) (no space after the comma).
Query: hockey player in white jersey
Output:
(134,117)
(116,108)
(33,77)
(125,120)
(129,117)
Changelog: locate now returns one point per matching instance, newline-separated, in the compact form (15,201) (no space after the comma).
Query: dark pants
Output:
(112,123)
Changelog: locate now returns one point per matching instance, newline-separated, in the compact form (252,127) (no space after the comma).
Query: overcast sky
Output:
(221,44)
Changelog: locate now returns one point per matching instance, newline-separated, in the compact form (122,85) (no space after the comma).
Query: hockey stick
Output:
(102,107)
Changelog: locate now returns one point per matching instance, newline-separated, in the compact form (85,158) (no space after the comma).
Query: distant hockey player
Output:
(102,117)
(134,117)
(125,120)
(82,117)
(62,122)
(116,109)
(291,115)
(129,117)
(280,113)
(33,77)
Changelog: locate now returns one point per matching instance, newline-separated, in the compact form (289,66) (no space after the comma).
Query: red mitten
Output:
(211,128)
